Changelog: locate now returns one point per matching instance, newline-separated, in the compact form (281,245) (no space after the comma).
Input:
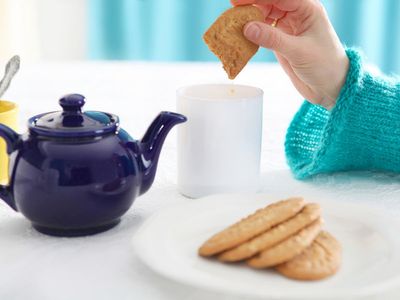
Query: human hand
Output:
(305,44)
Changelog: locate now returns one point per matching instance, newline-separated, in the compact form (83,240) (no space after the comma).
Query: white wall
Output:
(43,29)
(18,29)
(62,29)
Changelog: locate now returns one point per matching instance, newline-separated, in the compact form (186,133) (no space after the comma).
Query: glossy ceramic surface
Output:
(8,117)
(368,235)
(70,178)
(72,122)
(219,148)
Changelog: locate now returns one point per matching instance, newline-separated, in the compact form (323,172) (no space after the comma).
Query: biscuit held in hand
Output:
(226,40)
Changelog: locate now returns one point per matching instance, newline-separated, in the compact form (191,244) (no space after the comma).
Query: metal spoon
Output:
(12,68)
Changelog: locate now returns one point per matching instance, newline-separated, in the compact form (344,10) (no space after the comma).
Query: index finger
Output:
(286,5)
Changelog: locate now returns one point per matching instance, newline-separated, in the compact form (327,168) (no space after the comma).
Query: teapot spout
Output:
(151,144)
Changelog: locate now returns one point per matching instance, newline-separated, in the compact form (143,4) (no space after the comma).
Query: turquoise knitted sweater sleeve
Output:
(362,131)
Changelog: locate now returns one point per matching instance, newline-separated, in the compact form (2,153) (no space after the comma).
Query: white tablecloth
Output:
(37,267)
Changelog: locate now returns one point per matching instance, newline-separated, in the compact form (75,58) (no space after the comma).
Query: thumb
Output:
(268,37)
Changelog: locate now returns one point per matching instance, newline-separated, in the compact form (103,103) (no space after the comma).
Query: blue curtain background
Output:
(171,30)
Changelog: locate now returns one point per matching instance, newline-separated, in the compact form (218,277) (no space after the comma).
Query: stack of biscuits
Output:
(286,235)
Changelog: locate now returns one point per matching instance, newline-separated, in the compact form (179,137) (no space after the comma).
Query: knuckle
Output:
(319,8)
(273,40)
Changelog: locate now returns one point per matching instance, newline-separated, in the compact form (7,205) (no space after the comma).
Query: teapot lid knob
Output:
(72,102)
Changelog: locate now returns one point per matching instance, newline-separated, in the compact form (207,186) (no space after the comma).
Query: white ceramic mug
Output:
(219,147)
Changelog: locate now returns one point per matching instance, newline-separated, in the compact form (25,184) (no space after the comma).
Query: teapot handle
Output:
(13,140)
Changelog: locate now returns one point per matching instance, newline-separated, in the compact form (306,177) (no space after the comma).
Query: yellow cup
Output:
(8,117)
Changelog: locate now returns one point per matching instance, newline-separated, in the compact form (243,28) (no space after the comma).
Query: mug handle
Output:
(13,141)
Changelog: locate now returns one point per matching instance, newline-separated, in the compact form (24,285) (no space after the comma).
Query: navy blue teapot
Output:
(76,173)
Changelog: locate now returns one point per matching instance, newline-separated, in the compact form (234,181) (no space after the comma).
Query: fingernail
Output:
(252,31)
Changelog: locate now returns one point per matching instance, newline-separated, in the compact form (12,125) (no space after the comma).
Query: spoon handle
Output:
(12,68)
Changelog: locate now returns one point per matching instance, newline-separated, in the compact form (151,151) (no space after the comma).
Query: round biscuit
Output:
(322,259)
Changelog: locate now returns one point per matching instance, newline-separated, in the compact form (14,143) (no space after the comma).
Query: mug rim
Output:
(258,92)
(13,107)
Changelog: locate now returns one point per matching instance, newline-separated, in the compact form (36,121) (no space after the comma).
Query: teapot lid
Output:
(72,122)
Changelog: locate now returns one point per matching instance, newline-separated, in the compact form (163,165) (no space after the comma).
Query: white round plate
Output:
(169,240)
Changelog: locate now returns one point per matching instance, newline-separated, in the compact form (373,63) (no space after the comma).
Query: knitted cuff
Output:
(362,132)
